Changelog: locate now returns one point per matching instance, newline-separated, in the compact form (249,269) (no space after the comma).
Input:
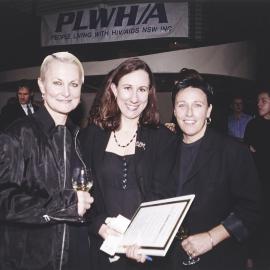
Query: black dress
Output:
(121,192)
(122,196)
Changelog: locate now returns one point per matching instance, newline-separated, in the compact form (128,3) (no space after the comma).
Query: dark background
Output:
(211,23)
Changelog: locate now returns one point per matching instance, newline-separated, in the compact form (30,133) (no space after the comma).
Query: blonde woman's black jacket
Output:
(37,202)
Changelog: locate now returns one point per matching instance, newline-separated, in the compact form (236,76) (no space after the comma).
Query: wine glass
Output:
(81,180)
(181,235)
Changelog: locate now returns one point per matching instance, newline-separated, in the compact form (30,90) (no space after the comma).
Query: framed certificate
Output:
(155,224)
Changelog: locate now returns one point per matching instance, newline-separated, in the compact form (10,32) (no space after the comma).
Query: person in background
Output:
(238,120)
(257,137)
(41,215)
(130,154)
(21,107)
(222,175)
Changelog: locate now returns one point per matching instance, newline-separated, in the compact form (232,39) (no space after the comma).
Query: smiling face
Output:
(132,94)
(61,89)
(191,111)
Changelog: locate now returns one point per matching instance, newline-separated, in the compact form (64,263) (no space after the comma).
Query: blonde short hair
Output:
(64,57)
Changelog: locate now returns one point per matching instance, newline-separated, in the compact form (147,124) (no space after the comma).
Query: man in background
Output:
(238,120)
(18,107)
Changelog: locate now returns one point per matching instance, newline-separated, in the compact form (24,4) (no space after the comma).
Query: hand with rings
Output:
(197,244)
(191,254)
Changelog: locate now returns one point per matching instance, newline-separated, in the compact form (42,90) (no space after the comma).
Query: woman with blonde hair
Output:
(41,214)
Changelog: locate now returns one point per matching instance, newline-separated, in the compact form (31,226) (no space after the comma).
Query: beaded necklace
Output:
(126,145)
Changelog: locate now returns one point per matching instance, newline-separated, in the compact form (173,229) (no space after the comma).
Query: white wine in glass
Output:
(80,180)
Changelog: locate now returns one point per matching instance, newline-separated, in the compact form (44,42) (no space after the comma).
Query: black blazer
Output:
(224,181)
(154,156)
(12,112)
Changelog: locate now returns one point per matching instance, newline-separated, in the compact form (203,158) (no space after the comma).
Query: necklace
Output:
(126,145)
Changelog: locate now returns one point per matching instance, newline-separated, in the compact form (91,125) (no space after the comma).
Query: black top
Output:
(187,157)
(121,191)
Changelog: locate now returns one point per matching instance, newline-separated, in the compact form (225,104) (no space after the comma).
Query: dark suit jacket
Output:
(224,181)
(154,158)
(12,112)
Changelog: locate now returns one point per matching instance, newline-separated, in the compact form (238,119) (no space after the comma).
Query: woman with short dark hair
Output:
(221,173)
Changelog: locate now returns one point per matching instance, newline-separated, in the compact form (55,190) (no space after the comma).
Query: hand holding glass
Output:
(81,180)
(181,235)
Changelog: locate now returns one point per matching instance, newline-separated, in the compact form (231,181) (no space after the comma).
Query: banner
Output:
(108,23)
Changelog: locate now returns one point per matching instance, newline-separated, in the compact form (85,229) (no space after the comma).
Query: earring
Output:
(208,120)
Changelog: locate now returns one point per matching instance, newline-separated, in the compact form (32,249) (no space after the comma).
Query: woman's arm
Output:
(246,195)
(24,197)
(245,211)
(201,243)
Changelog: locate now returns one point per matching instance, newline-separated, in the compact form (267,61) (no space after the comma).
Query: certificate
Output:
(154,225)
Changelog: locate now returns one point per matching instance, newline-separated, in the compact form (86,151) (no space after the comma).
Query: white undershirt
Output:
(24,106)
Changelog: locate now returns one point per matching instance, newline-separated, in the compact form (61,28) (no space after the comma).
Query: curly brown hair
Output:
(105,111)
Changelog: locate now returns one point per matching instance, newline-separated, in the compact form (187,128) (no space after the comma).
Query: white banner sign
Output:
(105,23)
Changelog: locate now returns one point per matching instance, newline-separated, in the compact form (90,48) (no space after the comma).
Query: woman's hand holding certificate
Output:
(152,228)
